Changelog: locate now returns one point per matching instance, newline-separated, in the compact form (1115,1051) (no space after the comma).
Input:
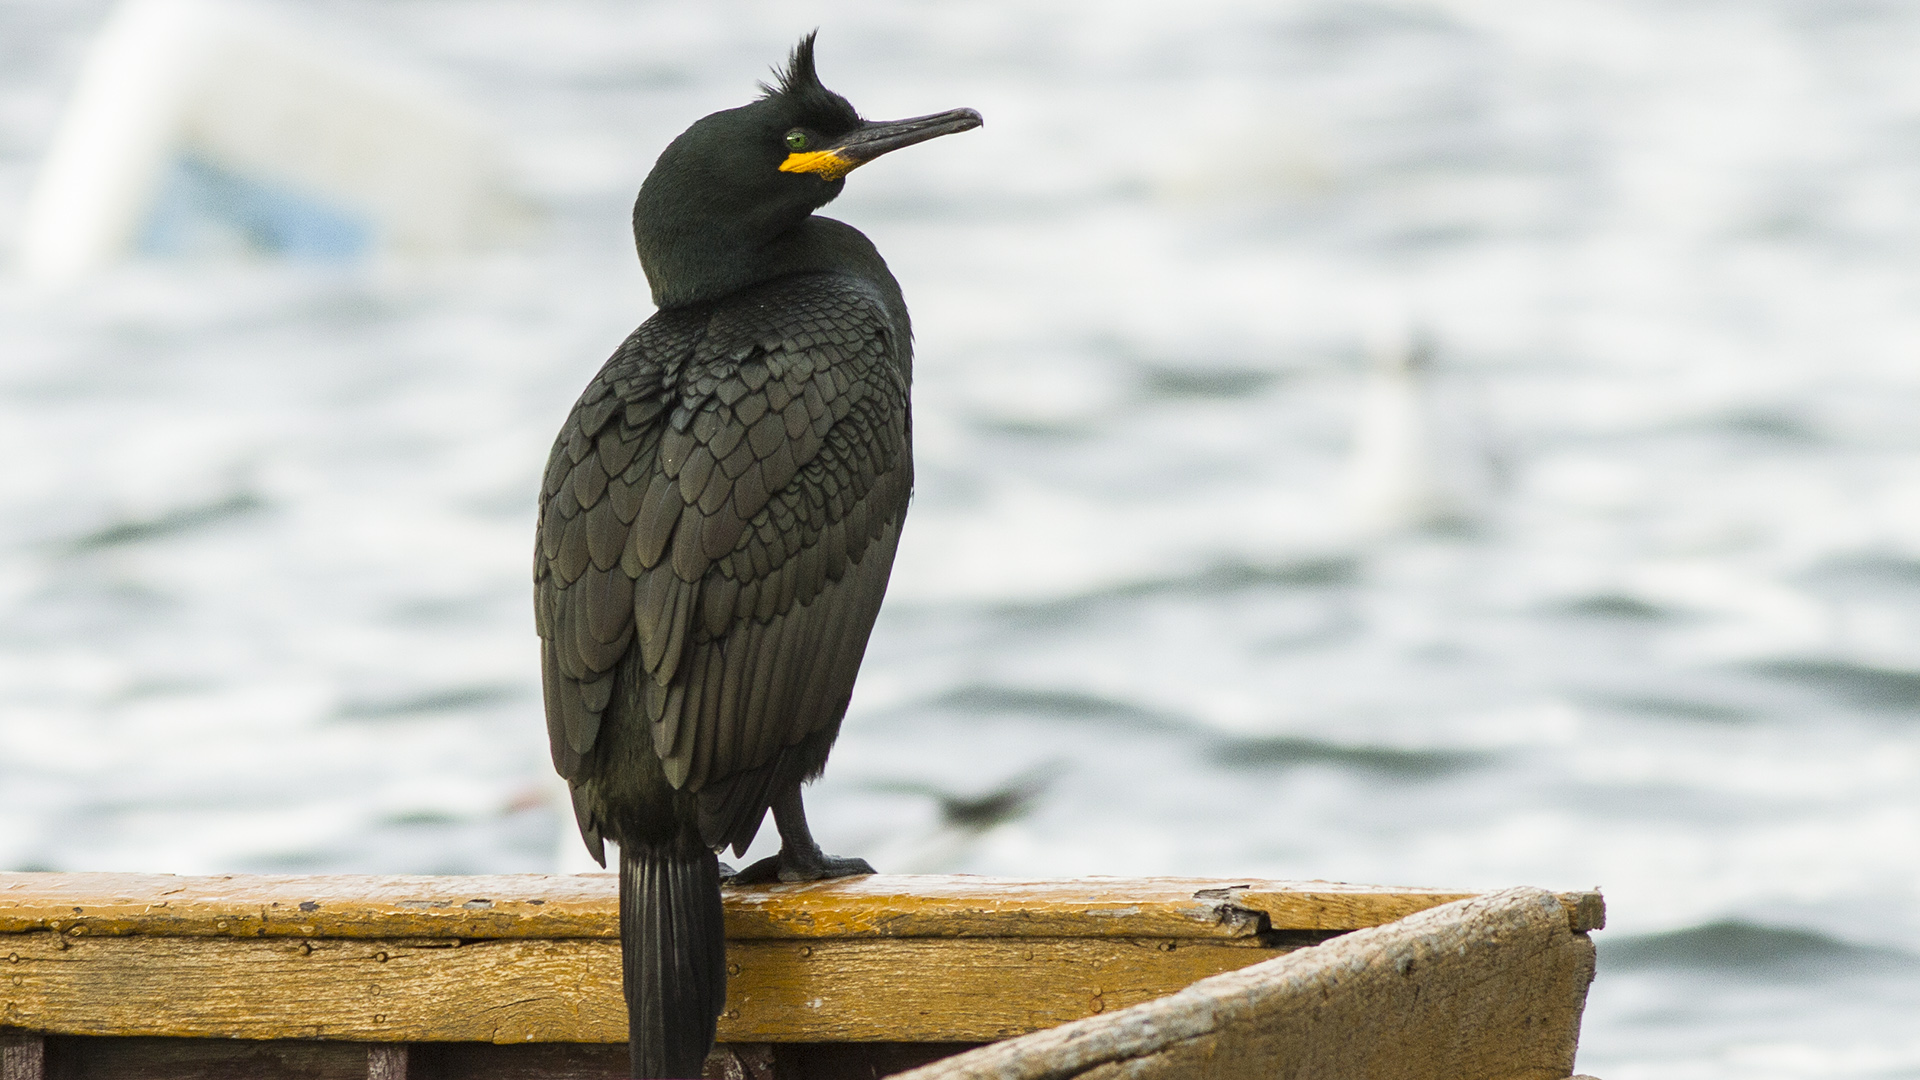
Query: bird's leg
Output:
(800,859)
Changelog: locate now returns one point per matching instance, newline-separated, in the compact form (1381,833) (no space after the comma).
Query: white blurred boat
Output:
(207,125)
(1422,452)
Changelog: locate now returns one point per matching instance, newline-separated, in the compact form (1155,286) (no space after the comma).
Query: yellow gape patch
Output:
(822,163)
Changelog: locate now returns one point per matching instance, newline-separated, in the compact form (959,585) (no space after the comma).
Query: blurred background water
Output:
(265,522)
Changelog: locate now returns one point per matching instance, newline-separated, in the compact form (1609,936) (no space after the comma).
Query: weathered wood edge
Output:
(1339,907)
(1493,985)
(542,906)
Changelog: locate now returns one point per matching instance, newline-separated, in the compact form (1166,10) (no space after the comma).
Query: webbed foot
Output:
(789,867)
(800,859)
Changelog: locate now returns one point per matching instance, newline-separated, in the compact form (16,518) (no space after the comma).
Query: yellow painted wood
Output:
(568,990)
(333,906)
(955,905)
(535,958)
(539,906)
(287,988)
(1320,905)
(953,990)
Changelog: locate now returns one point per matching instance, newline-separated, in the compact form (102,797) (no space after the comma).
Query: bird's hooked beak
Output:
(870,140)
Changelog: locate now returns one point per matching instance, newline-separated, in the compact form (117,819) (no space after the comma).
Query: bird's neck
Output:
(712,265)
(692,255)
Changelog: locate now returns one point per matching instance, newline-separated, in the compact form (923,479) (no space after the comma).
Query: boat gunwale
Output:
(551,906)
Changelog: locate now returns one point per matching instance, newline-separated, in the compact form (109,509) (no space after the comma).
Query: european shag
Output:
(717,523)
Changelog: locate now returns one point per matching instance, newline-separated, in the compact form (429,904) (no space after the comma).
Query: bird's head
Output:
(736,180)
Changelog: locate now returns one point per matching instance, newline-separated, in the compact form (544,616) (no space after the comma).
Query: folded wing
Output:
(717,525)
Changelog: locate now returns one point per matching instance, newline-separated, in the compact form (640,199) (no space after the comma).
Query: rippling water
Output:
(264,527)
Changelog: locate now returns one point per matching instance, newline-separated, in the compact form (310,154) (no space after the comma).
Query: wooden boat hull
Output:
(519,975)
(1488,987)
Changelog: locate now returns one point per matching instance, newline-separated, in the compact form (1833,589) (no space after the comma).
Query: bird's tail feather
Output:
(673,952)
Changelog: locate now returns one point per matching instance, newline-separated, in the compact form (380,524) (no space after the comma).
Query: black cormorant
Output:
(717,523)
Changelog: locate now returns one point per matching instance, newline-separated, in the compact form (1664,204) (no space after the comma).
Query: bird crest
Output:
(800,83)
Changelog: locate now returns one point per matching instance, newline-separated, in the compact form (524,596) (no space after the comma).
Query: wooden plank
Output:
(851,1061)
(494,907)
(955,905)
(935,990)
(23,1055)
(1325,905)
(597,1061)
(585,906)
(205,1059)
(567,990)
(86,1058)
(342,906)
(278,988)
(728,1061)
(1491,986)
(535,1061)
(387,1061)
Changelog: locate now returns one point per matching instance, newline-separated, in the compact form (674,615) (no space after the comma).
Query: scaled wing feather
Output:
(726,500)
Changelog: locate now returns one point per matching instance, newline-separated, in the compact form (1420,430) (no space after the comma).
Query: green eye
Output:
(796,139)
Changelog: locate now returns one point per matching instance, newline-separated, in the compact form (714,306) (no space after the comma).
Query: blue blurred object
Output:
(203,209)
(222,128)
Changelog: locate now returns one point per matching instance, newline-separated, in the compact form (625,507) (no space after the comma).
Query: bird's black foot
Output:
(800,859)
(789,866)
